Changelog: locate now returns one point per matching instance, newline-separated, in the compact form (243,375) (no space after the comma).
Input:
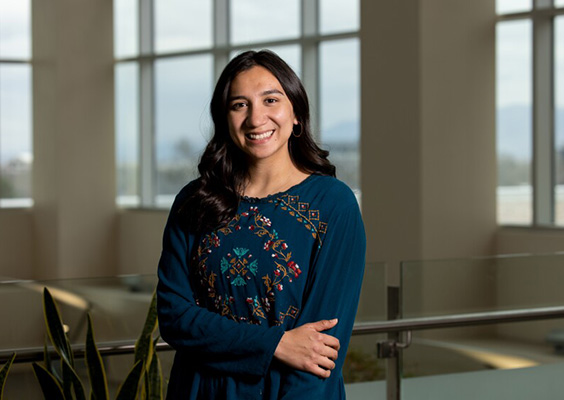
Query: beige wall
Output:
(428,144)
(139,238)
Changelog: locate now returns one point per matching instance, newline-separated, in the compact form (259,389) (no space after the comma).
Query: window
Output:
(15,104)
(530,112)
(168,57)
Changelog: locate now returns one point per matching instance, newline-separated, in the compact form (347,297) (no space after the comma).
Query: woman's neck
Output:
(265,180)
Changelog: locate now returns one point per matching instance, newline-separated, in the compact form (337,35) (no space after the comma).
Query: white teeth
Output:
(259,136)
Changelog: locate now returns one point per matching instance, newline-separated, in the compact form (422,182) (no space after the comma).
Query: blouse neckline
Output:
(274,195)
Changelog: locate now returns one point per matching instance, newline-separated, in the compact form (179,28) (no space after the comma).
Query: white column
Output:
(74,171)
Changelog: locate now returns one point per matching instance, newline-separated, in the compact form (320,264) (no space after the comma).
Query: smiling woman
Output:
(263,255)
(261,120)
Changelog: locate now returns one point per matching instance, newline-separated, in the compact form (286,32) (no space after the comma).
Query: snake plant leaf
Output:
(49,366)
(72,381)
(96,370)
(129,387)
(155,377)
(4,373)
(143,345)
(49,384)
(55,328)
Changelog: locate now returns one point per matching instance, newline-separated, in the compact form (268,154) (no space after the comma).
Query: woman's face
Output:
(260,116)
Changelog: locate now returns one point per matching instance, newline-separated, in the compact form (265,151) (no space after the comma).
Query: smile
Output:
(260,136)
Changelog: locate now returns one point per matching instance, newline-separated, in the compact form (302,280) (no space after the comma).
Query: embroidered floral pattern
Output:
(239,266)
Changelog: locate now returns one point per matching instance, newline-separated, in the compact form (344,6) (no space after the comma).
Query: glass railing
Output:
(118,307)
(481,286)
(471,356)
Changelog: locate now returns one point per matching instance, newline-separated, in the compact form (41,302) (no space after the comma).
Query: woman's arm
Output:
(333,292)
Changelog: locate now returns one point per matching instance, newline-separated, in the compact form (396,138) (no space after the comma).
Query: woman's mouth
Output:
(260,136)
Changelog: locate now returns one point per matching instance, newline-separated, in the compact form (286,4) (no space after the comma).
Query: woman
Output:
(263,255)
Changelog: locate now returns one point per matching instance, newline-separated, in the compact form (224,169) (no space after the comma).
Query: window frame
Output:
(22,202)
(543,176)
(309,42)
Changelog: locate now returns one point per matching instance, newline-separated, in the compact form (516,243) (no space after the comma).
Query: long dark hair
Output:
(223,166)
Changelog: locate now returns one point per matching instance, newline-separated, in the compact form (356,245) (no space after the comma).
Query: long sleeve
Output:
(213,342)
(333,292)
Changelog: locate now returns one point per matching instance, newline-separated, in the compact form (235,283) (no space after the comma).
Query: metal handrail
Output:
(460,320)
(446,321)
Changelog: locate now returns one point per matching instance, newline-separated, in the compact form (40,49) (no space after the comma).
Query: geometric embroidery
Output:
(239,266)
(292,312)
(300,210)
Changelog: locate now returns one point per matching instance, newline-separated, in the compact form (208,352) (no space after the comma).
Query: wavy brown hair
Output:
(223,166)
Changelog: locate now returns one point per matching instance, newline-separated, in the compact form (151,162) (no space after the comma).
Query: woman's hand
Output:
(307,349)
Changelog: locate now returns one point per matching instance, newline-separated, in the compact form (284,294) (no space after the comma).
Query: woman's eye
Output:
(237,106)
(271,101)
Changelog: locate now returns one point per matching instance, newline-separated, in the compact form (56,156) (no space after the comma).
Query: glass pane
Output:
(340,107)
(338,16)
(126,28)
(183,88)
(15,29)
(127,133)
(16,155)
(182,25)
(254,21)
(559,117)
(514,127)
(511,6)
(559,3)
(440,288)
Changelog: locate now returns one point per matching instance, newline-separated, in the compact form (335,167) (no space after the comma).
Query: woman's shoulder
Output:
(332,190)
(187,191)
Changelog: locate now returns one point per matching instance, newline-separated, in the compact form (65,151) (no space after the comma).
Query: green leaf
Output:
(49,363)
(71,380)
(49,384)
(55,328)
(240,251)
(143,350)
(224,265)
(4,373)
(128,389)
(155,377)
(95,365)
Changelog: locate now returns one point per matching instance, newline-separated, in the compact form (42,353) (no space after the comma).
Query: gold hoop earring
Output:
(294,132)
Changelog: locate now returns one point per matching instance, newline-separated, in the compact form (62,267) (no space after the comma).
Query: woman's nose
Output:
(256,116)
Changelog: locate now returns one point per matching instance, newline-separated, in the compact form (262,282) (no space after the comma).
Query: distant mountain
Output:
(346,132)
(514,127)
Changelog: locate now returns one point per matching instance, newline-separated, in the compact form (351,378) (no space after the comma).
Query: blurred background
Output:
(446,118)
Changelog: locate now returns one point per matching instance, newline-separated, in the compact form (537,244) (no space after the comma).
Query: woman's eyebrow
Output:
(272,91)
(265,93)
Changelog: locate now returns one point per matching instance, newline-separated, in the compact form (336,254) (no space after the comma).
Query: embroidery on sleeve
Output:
(310,219)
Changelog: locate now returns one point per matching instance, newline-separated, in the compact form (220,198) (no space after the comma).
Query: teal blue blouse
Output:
(226,297)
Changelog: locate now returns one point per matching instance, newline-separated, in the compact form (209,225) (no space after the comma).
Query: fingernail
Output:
(334,320)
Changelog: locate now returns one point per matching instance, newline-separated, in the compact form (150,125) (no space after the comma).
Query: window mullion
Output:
(221,39)
(310,59)
(146,105)
(543,84)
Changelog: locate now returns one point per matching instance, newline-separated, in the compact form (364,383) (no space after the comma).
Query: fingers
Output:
(324,324)
(331,341)
(307,349)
